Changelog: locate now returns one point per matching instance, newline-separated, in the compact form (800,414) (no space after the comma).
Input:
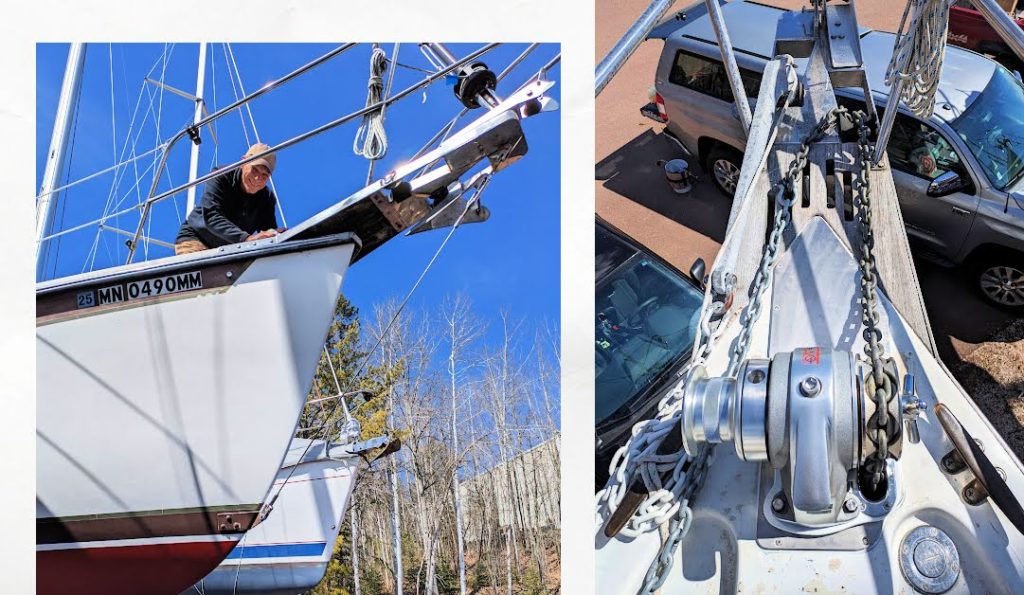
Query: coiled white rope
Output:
(664,475)
(371,140)
(917,56)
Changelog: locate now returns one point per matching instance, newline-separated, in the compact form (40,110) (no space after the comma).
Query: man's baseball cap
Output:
(269,162)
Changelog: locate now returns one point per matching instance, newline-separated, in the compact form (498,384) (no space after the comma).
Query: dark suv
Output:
(646,318)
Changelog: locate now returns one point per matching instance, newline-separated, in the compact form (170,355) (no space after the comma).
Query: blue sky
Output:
(511,261)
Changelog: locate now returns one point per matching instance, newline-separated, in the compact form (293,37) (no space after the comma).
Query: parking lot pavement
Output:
(632,194)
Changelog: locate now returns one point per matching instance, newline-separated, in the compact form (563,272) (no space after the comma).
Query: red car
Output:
(968,29)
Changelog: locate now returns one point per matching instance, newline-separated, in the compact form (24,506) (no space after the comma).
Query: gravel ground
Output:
(993,374)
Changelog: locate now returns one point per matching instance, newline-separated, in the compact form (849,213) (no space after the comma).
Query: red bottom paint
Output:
(151,569)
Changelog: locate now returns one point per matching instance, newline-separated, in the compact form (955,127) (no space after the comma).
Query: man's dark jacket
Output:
(226,214)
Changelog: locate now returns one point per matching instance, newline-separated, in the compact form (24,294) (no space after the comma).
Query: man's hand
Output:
(268,233)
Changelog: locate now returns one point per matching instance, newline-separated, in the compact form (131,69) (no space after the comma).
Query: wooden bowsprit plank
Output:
(898,277)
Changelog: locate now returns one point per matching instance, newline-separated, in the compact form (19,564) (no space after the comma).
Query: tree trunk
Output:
(355,550)
(509,542)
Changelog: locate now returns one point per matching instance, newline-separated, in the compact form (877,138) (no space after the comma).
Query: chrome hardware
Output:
(911,406)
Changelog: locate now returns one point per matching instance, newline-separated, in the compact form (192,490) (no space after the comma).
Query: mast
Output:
(631,40)
(58,144)
(193,164)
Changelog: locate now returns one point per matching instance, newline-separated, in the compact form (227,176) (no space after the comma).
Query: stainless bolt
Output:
(778,503)
(810,386)
(850,505)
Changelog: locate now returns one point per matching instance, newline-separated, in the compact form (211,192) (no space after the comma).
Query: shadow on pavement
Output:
(632,171)
(957,311)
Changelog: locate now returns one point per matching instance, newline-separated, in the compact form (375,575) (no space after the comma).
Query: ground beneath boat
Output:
(488,577)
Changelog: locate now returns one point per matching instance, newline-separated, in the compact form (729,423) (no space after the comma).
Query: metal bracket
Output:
(794,34)
(193,135)
(975,492)
(953,463)
(391,445)
(845,60)
(234,522)
(448,211)
(400,214)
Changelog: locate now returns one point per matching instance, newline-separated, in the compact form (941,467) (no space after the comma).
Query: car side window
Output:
(914,147)
(919,149)
(708,76)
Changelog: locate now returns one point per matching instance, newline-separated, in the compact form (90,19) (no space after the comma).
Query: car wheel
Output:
(1001,282)
(724,164)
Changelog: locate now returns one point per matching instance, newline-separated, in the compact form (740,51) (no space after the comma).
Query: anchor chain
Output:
(881,384)
(784,193)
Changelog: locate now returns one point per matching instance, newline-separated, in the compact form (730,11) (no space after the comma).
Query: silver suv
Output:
(958,174)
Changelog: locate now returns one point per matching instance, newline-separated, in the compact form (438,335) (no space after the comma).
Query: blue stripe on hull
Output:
(282,550)
(273,578)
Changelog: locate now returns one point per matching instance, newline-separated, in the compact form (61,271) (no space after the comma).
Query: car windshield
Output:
(646,318)
(993,128)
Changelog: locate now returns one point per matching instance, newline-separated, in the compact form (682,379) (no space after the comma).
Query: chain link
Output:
(674,480)
(784,192)
(881,385)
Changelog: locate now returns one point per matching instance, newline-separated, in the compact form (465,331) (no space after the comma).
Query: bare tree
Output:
(470,503)
(462,330)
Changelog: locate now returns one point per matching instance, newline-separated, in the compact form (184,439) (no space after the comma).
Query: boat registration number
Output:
(134,290)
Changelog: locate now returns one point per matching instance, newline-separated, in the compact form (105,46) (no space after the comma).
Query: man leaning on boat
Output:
(236,207)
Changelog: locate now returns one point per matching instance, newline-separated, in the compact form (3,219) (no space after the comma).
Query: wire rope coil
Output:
(371,139)
(916,61)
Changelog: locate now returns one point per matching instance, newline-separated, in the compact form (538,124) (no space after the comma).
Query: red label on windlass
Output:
(811,355)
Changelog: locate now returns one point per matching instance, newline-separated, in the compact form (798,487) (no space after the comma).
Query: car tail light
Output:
(660,102)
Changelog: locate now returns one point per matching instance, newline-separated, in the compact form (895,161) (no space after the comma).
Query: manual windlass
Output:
(816,442)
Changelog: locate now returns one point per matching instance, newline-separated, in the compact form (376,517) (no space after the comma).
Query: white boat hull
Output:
(289,552)
(162,422)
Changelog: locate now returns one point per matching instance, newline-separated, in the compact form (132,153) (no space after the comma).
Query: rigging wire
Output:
(119,173)
(256,133)
(470,203)
(157,119)
(67,174)
(109,169)
(283,145)
(371,140)
(234,90)
(134,144)
(113,120)
(394,62)
(213,125)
